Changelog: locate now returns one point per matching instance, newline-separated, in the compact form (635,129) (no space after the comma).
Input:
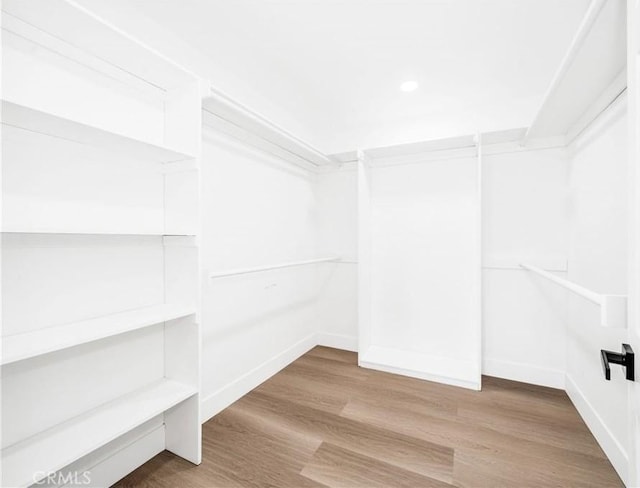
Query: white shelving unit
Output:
(43,453)
(100,232)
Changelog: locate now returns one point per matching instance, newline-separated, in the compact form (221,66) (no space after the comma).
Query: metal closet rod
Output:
(257,269)
(592,296)
(613,308)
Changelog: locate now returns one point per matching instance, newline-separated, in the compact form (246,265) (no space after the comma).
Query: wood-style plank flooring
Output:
(323,421)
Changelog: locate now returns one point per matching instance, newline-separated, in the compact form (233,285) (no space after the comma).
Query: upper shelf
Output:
(590,77)
(223,113)
(45,123)
(433,145)
(84,35)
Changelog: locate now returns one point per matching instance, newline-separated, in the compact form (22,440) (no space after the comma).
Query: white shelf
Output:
(592,70)
(91,232)
(31,344)
(33,120)
(91,40)
(59,446)
(223,113)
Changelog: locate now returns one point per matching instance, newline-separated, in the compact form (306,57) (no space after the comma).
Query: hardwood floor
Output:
(323,421)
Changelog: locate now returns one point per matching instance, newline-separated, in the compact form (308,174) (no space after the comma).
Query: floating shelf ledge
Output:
(31,119)
(35,343)
(613,308)
(30,460)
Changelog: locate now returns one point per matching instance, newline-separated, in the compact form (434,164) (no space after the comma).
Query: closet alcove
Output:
(166,249)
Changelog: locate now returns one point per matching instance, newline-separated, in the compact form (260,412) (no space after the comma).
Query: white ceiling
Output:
(335,66)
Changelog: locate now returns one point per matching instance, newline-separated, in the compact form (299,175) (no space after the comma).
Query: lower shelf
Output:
(29,461)
(31,344)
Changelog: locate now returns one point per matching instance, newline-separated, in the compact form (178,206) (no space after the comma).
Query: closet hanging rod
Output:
(257,269)
(592,296)
(613,308)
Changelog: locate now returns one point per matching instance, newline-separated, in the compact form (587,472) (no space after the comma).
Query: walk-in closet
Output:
(320,244)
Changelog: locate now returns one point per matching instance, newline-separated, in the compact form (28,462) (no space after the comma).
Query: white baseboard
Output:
(526,373)
(616,453)
(419,366)
(337,341)
(123,462)
(112,462)
(225,396)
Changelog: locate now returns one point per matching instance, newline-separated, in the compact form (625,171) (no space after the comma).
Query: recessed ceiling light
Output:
(409,86)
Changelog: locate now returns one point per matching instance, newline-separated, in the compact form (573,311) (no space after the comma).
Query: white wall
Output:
(425,270)
(257,211)
(220,66)
(337,236)
(598,260)
(559,209)
(524,220)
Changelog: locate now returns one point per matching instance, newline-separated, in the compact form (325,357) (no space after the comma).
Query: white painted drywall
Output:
(598,260)
(257,211)
(425,270)
(338,236)
(524,220)
(38,197)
